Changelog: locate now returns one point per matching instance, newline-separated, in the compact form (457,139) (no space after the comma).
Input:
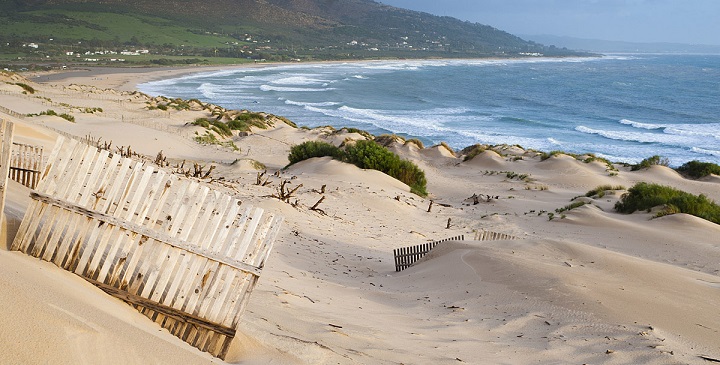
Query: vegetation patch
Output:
(650,161)
(312,149)
(51,112)
(601,190)
(696,169)
(244,121)
(644,196)
(28,89)
(546,155)
(220,128)
(365,155)
(472,151)
(570,207)
(210,139)
(361,132)
(416,141)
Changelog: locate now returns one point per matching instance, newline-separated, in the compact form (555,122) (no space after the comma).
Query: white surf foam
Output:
(293,89)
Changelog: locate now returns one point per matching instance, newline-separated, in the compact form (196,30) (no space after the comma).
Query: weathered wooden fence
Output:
(406,256)
(6,137)
(184,255)
(492,236)
(26,164)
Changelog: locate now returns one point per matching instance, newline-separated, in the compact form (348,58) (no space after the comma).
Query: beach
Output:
(584,286)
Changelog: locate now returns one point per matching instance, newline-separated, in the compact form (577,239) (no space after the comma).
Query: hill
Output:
(246,29)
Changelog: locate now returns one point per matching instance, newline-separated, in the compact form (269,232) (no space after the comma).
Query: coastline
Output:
(590,285)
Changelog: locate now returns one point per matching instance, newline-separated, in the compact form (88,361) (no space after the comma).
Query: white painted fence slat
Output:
(6,136)
(184,255)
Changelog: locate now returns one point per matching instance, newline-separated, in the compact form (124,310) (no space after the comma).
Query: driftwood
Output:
(259,180)
(197,171)
(476,199)
(315,207)
(161,160)
(284,193)
(448,223)
(430,206)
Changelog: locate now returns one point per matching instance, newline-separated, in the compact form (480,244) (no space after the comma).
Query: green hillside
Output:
(182,30)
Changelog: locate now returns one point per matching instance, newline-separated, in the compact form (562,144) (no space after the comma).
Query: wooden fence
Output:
(6,137)
(26,164)
(406,256)
(184,255)
(492,236)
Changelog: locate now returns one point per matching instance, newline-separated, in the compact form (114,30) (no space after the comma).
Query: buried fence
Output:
(406,256)
(184,255)
(26,164)
(492,236)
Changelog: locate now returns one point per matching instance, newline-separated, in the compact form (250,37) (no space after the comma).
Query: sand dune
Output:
(582,285)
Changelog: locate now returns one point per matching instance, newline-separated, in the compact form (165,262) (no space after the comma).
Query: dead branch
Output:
(315,207)
(430,206)
(321,191)
(448,223)
(259,181)
(285,193)
(161,160)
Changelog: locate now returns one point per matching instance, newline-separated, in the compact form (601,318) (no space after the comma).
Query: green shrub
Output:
(162,107)
(365,155)
(697,169)
(67,117)
(370,155)
(650,161)
(312,149)
(29,89)
(644,196)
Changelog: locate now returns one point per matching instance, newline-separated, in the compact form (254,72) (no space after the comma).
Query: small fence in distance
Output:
(184,255)
(406,256)
(26,163)
(492,236)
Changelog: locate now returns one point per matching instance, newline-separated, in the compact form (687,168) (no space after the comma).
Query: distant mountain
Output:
(602,46)
(277,29)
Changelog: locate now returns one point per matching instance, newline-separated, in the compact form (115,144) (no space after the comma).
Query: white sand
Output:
(593,286)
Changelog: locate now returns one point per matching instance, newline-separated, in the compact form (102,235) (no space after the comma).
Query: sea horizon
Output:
(623,107)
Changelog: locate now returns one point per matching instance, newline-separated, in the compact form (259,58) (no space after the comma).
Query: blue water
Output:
(624,108)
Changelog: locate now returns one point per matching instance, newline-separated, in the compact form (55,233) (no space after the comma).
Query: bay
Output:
(621,107)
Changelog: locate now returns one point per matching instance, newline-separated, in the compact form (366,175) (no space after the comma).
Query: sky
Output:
(674,21)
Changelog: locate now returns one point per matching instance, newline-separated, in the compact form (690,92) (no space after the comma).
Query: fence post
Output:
(6,135)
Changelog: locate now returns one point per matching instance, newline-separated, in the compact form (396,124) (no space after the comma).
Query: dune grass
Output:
(601,190)
(644,196)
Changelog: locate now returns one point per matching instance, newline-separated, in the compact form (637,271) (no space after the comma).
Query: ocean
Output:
(621,107)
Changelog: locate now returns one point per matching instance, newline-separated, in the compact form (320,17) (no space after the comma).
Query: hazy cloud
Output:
(681,21)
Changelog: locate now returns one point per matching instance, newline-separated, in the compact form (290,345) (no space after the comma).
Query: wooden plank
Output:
(179,315)
(7,129)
